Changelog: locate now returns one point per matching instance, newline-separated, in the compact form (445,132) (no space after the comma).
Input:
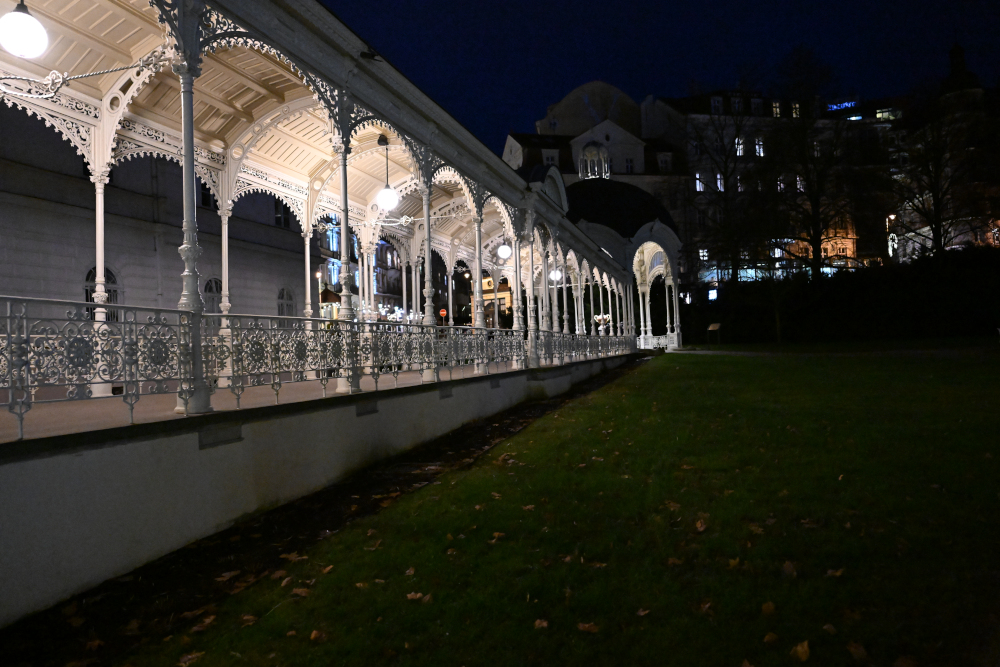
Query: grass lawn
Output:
(702,510)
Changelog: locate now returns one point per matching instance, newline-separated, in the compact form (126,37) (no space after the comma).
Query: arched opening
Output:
(111,288)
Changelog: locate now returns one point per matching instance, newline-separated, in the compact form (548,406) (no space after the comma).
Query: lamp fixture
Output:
(504,251)
(21,34)
(387,198)
(555,275)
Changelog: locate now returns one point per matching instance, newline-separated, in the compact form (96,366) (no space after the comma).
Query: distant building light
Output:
(842,105)
(713,294)
(854,118)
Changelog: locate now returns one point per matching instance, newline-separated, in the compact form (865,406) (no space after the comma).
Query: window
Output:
(756,107)
(282,214)
(699,185)
(781,184)
(110,288)
(286,304)
(816,151)
(795,109)
(777,253)
(800,184)
(696,148)
(739,183)
(759,145)
(736,104)
(739,146)
(776,109)
(716,105)
(666,162)
(629,165)
(213,296)
(550,160)
(550,157)
(553,123)
(207,199)
(713,294)
(720,183)
(703,254)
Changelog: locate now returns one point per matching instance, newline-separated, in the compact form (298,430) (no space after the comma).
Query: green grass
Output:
(883,467)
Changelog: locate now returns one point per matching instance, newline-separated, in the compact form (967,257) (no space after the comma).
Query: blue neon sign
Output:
(842,105)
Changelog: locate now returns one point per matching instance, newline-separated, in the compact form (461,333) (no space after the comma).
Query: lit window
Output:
(781,185)
(739,183)
(777,253)
(816,152)
(854,118)
(795,109)
(739,146)
(699,185)
(716,105)
(776,109)
(629,166)
(756,107)
(759,144)
(800,184)
(703,254)
(720,183)
(713,294)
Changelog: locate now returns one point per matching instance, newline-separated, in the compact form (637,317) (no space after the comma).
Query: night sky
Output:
(497,66)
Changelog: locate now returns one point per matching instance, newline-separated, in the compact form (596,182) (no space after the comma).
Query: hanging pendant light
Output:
(504,251)
(387,198)
(21,34)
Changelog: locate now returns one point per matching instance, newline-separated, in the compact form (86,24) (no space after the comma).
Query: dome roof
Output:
(623,207)
(589,105)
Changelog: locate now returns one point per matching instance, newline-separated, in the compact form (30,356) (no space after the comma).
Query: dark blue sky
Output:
(497,66)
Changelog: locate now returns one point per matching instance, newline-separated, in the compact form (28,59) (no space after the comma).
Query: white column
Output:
(565,301)
(480,315)
(621,314)
(516,295)
(100,295)
(642,314)
(346,301)
(670,314)
(451,299)
(224,304)
(428,266)
(649,314)
(592,313)
(677,316)
(189,250)
(533,361)
(403,269)
(600,292)
(613,308)
(307,310)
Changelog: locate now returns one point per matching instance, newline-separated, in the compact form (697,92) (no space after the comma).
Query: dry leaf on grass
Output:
(734,563)
(293,557)
(371,531)
(834,573)
(767,608)
(675,561)
(287,581)
(857,651)
(226,576)
(410,572)
(205,622)
(587,627)
(598,565)
(746,663)
(361,584)
(800,651)
(527,507)
(496,536)
(247,620)
(291,633)
(301,592)
(279,574)
(94,645)
(192,614)
(829,628)
(541,623)
(770,638)
(326,569)
(788,569)
(495,495)
(700,525)
(414,596)
(642,612)
(189,658)
(451,552)
(672,506)
(374,546)
(705,606)
(427,598)
(756,529)
(317,636)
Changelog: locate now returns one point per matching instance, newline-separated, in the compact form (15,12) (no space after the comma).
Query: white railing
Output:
(54,351)
(666,342)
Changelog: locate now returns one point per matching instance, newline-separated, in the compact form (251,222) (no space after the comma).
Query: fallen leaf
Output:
(788,569)
(479,507)
(587,627)
(380,581)
(673,506)
(700,525)
(857,651)
(496,536)
(767,608)
(568,559)
(598,565)
(675,561)
(361,584)
(734,563)
(94,645)
(595,458)
(189,658)
(582,465)
(705,606)
(495,495)
(800,651)
(279,574)
(371,531)
(834,573)
(541,623)
(451,551)
(291,633)
(414,596)
(293,557)
(642,612)
(746,663)
(374,546)
(317,636)
(131,629)
(287,581)
(829,628)
(386,502)
(205,622)
(248,620)
(326,569)
(770,638)
(410,572)
(301,592)
(427,598)
(687,467)
(756,529)
(527,507)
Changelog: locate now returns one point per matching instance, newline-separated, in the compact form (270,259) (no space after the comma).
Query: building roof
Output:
(623,207)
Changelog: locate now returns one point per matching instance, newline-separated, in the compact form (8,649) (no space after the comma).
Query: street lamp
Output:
(387,198)
(504,251)
(21,34)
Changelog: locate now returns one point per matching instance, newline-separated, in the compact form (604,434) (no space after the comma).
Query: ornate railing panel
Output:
(65,350)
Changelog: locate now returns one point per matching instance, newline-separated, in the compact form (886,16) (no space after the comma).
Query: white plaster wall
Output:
(71,521)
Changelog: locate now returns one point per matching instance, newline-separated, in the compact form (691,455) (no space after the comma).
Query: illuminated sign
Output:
(842,105)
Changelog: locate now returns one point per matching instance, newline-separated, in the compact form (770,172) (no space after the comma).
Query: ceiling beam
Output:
(245,78)
(208,98)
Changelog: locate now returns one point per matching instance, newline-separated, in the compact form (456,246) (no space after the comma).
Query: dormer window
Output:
(629,166)
(795,109)
(550,157)
(595,161)
(717,105)
(776,109)
(666,162)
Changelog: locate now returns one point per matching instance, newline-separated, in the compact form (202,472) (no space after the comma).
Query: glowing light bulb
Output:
(504,251)
(387,198)
(555,274)
(21,34)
